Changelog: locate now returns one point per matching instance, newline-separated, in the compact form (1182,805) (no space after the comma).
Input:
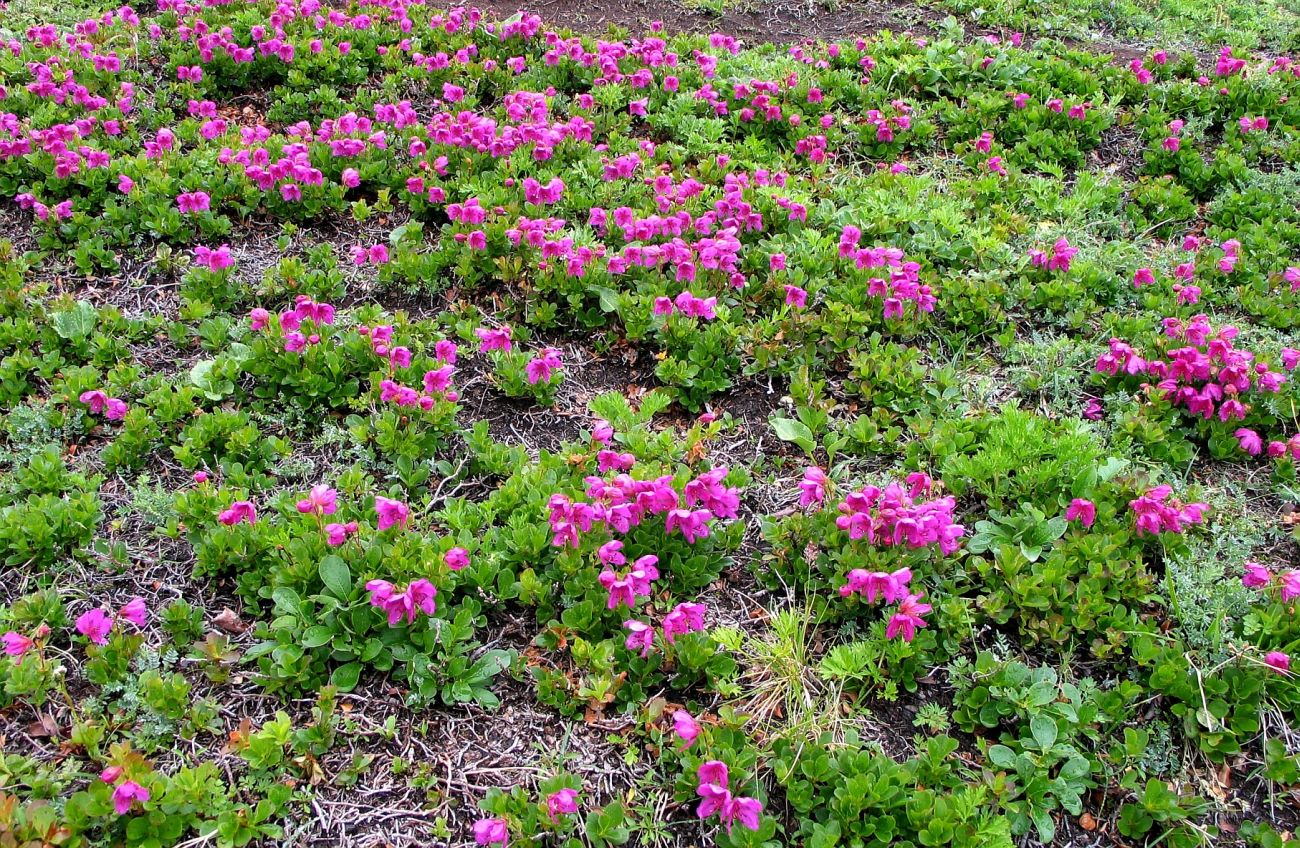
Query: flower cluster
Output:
(892,516)
(683,618)
(96,624)
(891,586)
(1057,258)
(99,402)
(305,315)
(1156,512)
(624,502)
(904,280)
(716,798)
(1207,375)
(398,606)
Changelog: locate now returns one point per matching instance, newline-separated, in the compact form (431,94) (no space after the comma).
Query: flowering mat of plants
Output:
(429,427)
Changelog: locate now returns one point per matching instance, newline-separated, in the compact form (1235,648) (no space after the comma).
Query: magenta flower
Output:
(562,802)
(640,636)
(95,625)
(1081,510)
(419,595)
(812,488)
(663,306)
(602,432)
(193,202)
(391,513)
(713,773)
(126,794)
(1290,585)
(493,339)
(795,297)
(1255,575)
(456,559)
(1278,661)
(337,534)
(16,644)
(685,727)
(1249,441)
(907,619)
(541,368)
(136,612)
(743,810)
(776,262)
(684,618)
(321,501)
(694,525)
(125,184)
(490,832)
(98,401)
(1143,277)
(237,512)
(873,584)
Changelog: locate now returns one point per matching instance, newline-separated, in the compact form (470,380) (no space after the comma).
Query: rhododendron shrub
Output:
(346,579)
(1230,396)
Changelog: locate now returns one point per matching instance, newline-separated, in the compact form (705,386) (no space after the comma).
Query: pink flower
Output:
(1083,511)
(1290,585)
(776,262)
(796,297)
(321,501)
(1278,661)
(684,618)
(1143,277)
(125,184)
(135,612)
(337,534)
(640,636)
(602,432)
(351,177)
(126,794)
(562,802)
(493,339)
(685,727)
(744,810)
(1290,358)
(95,625)
(541,368)
(237,512)
(1249,441)
(663,306)
(1255,575)
(16,644)
(419,595)
(490,832)
(456,559)
(694,525)
(907,619)
(391,513)
(713,773)
(193,202)
(812,488)
(874,584)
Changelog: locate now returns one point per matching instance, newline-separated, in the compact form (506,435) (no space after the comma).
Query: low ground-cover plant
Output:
(730,406)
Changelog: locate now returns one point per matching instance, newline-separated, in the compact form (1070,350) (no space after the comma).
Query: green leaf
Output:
(347,676)
(1002,756)
(1044,824)
(609,299)
(316,636)
(1043,728)
(796,432)
(336,576)
(76,323)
